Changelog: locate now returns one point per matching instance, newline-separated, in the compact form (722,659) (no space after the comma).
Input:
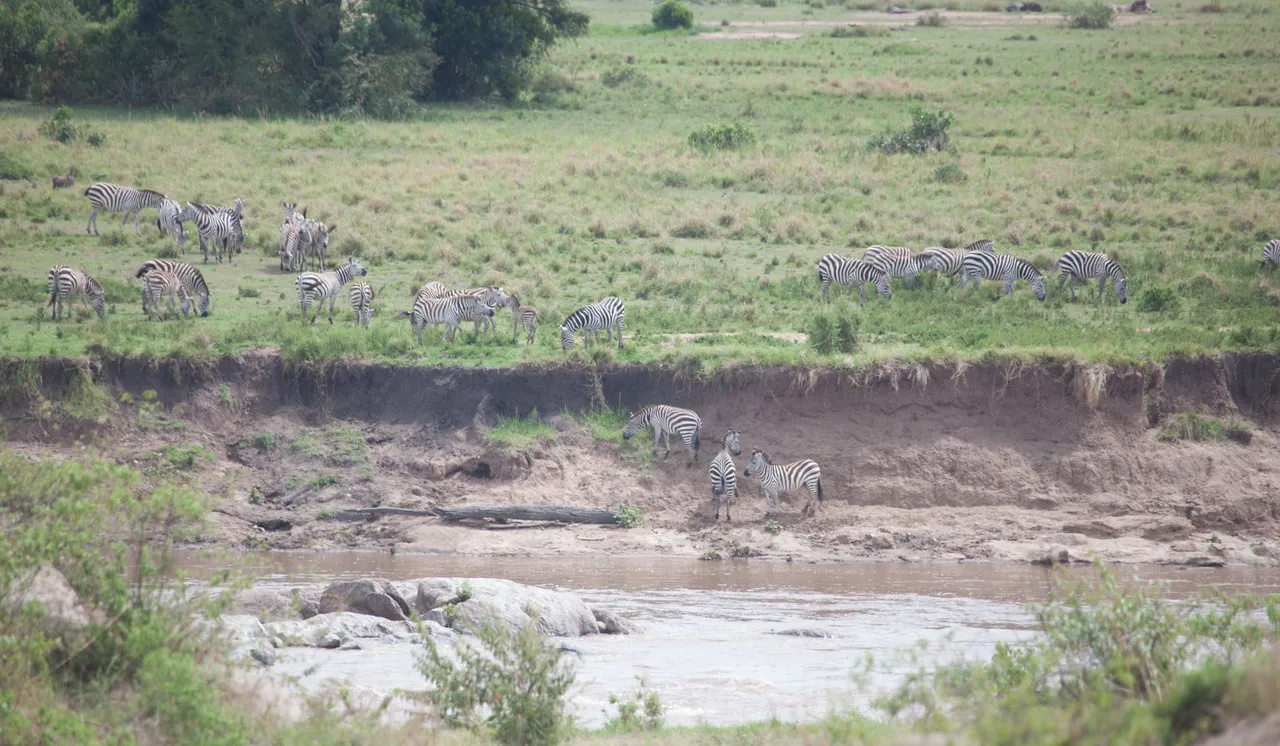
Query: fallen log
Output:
(356,514)
(557,513)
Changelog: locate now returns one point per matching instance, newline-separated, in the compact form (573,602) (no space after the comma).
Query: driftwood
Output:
(544,513)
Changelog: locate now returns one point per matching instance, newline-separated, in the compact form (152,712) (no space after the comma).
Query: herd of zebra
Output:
(775,480)
(976,262)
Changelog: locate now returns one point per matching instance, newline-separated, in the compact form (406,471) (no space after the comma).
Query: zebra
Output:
(852,272)
(292,218)
(1271,253)
(297,244)
(161,284)
(603,315)
(170,223)
(448,311)
(948,261)
(980,265)
(894,261)
(777,480)
(64,280)
(317,286)
(319,243)
(665,421)
(113,198)
(221,227)
(190,276)
(1083,266)
(432,290)
(526,315)
(362,302)
(724,474)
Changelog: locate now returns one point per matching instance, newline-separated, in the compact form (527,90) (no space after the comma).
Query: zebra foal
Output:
(64,281)
(667,421)
(316,287)
(114,198)
(724,474)
(780,480)
(448,311)
(523,315)
(894,261)
(1083,266)
(602,316)
(160,288)
(190,276)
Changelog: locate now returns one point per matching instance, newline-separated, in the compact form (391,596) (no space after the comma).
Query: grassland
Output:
(1155,141)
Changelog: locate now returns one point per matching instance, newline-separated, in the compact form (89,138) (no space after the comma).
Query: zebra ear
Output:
(333,228)
(304,211)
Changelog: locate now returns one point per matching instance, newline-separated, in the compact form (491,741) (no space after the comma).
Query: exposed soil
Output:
(983,462)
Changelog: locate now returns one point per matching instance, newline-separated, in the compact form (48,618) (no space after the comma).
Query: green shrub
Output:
(772,527)
(516,433)
(60,128)
(1158,299)
(934,20)
(184,457)
(857,32)
(722,137)
(828,335)
(672,14)
(1200,428)
(628,516)
(1094,14)
(511,684)
(927,134)
(623,75)
(247,292)
(13,169)
(639,711)
(950,174)
(767,3)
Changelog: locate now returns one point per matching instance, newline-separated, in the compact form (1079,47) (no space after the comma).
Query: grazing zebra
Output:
(777,480)
(603,315)
(170,223)
(526,315)
(894,261)
(1271,253)
(161,284)
(362,302)
(665,421)
(190,276)
(448,311)
(724,474)
(220,227)
(852,272)
(315,287)
(948,261)
(64,280)
(432,290)
(113,198)
(319,243)
(1082,266)
(980,265)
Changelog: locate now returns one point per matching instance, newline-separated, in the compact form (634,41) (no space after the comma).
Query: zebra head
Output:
(759,459)
(320,236)
(637,421)
(882,286)
(566,338)
(289,208)
(96,293)
(1122,286)
(356,270)
(731,442)
(1027,271)
(1038,285)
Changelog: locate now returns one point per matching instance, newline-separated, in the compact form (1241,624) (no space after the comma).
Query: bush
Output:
(857,32)
(672,14)
(628,516)
(722,137)
(934,20)
(1158,299)
(640,711)
(60,128)
(828,336)
(1094,14)
(928,133)
(621,75)
(950,174)
(512,684)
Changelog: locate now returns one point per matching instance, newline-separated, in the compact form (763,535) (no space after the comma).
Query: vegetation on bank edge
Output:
(1111,661)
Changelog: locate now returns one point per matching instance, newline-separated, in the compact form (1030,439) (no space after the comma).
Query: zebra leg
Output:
(728,503)
(715,498)
(619,325)
(1102,286)
(332,298)
(124,222)
(861,302)
(657,438)
(136,215)
(1072,287)
(93,214)
(1008,287)
(826,287)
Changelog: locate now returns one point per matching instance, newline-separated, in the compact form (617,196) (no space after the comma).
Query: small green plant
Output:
(1093,14)
(672,14)
(512,685)
(722,137)
(255,496)
(264,442)
(927,134)
(1158,300)
(324,515)
(640,710)
(184,457)
(622,75)
(710,555)
(628,516)
(248,292)
(465,591)
(324,480)
(450,613)
(772,527)
(857,32)
(60,128)
(1202,428)
(934,20)
(950,174)
(517,433)
(224,396)
(829,335)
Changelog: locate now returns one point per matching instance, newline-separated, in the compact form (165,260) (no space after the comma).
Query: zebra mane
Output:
(153,193)
(93,284)
(642,410)
(1024,264)
(766,457)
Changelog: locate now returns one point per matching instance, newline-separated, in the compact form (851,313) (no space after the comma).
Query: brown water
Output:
(706,642)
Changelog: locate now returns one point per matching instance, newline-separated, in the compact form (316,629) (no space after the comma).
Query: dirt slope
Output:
(987,462)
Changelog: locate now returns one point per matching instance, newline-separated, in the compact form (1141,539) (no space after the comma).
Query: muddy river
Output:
(708,639)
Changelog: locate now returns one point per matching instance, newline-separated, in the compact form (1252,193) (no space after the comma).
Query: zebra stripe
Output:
(948,261)
(894,261)
(218,226)
(190,276)
(362,302)
(851,272)
(170,223)
(318,244)
(317,286)
(64,280)
(1271,253)
(979,265)
(523,315)
(780,480)
(292,219)
(448,311)
(724,474)
(666,421)
(114,198)
(1083,266)
(161,284)
(603,315)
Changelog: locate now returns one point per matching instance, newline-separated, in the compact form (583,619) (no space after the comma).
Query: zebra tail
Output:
(401,315)
(819,489)
(87,190)
(697,439)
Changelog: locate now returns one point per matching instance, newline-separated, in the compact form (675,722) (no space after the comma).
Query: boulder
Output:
(365,596)
(612,624)
(49,588)
(820,634)
(334,629)
(510,604)
(240,629)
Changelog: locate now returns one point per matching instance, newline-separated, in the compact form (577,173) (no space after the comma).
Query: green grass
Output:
(521,433)
(1153,141)
(1202,428)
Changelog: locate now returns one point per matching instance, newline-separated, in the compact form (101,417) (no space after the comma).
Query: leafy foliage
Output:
(1157,299)
(829,335)
(1197,427)
(1094,14)
(927,134)
(60,128)
(628,516)
(672,14)
(722,137)
(639,711)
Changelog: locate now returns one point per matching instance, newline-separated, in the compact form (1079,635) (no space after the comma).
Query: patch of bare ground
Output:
(1016,462)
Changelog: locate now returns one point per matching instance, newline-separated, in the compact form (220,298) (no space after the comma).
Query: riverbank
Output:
(1013,461)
